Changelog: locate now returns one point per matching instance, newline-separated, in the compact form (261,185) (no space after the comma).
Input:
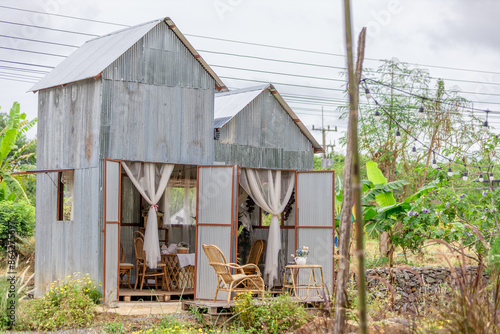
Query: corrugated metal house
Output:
(144,94)
(258,129)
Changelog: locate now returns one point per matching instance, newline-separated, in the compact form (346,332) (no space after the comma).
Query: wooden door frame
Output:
(112,222)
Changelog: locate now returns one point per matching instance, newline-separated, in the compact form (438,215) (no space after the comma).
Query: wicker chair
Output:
(142,267)
(239,282)
(254,255)
(125,268)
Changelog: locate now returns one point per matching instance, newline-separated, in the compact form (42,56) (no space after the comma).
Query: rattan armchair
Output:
(254,255)
(239,282)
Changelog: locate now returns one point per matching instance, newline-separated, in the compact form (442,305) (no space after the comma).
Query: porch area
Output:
(221,205)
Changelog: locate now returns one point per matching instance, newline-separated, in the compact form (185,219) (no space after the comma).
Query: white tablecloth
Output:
(186,260)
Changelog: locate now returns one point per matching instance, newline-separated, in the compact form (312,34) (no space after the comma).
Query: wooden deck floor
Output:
(152,294)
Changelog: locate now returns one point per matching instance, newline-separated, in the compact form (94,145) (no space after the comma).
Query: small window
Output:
(65,196)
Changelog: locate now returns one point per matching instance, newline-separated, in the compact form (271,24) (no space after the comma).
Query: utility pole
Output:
(324,131)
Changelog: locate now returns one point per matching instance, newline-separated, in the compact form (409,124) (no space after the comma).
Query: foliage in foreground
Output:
(12,290)
(8,302)
(474,303)
(69,303)
(269,315)
(12,157)
(19,216)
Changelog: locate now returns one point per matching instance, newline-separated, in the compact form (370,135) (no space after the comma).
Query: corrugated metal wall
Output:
(206,279)
(160,59)
(68,137)
(154,103)
(315,193)
(263,135)
(159,124)
(68,126)
(160,103)
(215,195)
(216,199)
(63,248)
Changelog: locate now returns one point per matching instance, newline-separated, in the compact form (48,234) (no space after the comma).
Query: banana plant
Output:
(375,190)
(387,206)
(12,157)
(379,205)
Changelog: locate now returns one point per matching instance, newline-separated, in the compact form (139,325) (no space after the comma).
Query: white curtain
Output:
(271,190)
(151,180)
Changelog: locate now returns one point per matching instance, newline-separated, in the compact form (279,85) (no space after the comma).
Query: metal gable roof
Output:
(229,104)
(97,54)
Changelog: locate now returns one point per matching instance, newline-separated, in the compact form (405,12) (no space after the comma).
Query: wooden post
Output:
(352,191)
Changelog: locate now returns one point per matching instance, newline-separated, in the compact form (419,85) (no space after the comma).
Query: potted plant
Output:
(182,247)
(300,255)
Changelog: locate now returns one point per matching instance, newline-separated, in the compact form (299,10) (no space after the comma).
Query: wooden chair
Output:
(125,268)
(254,255)
(142,267)
(239,282)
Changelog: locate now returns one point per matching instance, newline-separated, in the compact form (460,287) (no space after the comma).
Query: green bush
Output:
(70,303)
(8,303)
(269,315)
(17,215)
(113,328)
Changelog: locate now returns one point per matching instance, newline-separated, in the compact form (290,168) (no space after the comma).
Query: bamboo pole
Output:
(352,191)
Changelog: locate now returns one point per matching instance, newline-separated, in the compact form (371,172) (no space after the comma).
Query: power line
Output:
(265,45)
(30,51)
(284,84)
(424,98)
(38,41)
(270,59)
(318,65)
(336,54)
(268,46)
(12,79)
(279,73)
(31,76)
(420,142)
(23,69)
(47,28)
(27,77)
(27,64)
(65,16)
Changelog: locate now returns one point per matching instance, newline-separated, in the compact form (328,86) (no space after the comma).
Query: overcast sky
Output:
(450,33)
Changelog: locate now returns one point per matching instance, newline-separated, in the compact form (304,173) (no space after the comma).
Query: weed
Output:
(376,262)
(69,303)
(269,315)
(113,328)
(473,304)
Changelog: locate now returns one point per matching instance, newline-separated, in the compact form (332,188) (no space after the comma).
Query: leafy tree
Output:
(447,127)
(12,157)
(338,164)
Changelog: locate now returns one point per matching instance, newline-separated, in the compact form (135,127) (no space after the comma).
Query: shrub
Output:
(6,301)
(69,303)
(11,291)
(113,328)
(19,215)
(473,306)
(269,315)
